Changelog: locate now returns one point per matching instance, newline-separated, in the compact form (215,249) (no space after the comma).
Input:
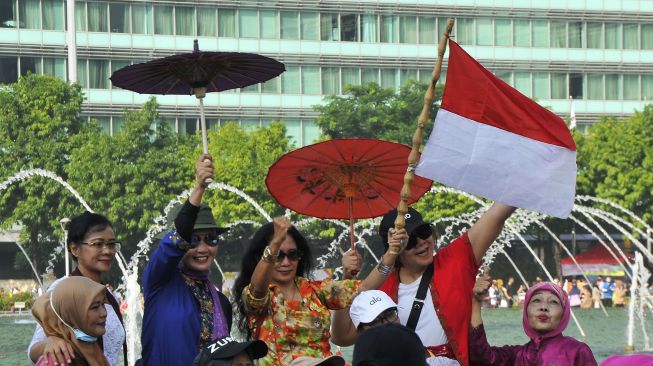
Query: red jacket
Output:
(455,269)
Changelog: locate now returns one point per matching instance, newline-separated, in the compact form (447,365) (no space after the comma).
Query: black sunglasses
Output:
(292,255)
(423,232)
(211,239)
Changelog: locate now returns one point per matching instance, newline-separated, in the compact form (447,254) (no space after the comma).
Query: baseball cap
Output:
(227,348)
(311,361)
(368,305)
(389,344)
(413,221)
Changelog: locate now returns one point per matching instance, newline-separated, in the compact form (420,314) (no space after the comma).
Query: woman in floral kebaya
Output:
(288,311)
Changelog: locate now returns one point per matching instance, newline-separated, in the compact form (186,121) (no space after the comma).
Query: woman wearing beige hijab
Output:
(74,311)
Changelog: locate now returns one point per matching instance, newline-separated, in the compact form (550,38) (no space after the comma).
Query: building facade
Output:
(600,53)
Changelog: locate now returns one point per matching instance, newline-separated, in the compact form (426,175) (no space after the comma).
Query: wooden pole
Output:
(418,136)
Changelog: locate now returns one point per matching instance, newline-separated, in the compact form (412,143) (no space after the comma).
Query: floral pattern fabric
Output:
(294,328)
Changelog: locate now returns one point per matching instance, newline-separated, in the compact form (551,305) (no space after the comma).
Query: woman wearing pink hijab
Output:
(546,315)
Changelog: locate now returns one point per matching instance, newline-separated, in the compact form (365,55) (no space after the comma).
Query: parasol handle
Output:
(418,136)
(200,93)
(351,227)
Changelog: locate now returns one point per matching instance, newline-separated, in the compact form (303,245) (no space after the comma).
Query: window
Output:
(612,87)
(119,17)
(369,76)
(558,34)
(117,65)
(98,74)
(80,17)
(540,33)
(116,124)
(329,27)
(248,23)
(631,87)
(576,86)
(505,76)
(408,74)
(272,86)
(8,17)
(595,86)
(206,25)
(104,122)
(523,83)
(408,29)
(311,132)
(268,24)
(226,23)
(82,71)
(289,25)
(163,20)
(427,32)
(53,14)
(350,76)
(294,131)
(30,65)
(575,39)
(142,19)
(98,17)
(541,85)
(290,83)
(388,78)
(185,21)
(594,35)
(250,89)
(647,36)
(559,86)
(522,33)
(647,87)
(349,27)
(330,81)
(55,67)
(389,29)
(30,14)
(613,36)
(465,31)
(310,80)
(631,36)
(503,32)
(309,26)
(8,69)
(484,32)
(369,28)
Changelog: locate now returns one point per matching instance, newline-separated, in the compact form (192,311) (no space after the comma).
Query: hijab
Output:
(566,311)
(71,300)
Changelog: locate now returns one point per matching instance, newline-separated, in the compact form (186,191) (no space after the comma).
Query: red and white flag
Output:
(492,141)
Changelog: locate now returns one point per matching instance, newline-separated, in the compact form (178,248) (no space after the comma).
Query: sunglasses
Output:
(211,239)
(292,255)
(423,232)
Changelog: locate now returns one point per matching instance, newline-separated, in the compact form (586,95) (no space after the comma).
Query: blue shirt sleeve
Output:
(163,262)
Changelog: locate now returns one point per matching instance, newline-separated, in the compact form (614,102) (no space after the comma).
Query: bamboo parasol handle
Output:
(418,136)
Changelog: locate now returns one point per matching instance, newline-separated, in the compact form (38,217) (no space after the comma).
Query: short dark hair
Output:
(82,225)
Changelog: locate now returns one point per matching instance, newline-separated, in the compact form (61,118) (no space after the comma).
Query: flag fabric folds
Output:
(492,141)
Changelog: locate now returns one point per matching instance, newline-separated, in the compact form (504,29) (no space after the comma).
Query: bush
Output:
(7,300)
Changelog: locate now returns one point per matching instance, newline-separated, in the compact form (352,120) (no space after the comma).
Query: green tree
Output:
(38,115)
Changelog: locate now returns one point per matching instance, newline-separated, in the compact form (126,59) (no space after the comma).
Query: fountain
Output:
(592,219)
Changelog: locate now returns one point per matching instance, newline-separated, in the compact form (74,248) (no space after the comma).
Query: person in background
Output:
(586,297)
(546,315)
(619,295)
(574,294)
(74,312)
(389,345)
(596,295)
(607,289)
(511,290)
(371,308)
(184,311)
(228,352)
(93,246)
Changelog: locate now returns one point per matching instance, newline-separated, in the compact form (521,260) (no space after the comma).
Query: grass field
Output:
(605,335)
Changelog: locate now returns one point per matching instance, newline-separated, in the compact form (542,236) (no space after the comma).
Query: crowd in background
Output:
(585,295)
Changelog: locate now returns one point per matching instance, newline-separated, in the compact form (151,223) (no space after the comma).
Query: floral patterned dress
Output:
(294,328)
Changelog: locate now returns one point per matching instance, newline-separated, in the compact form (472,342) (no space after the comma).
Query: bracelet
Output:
(268,256)
(384,268)
(252,299)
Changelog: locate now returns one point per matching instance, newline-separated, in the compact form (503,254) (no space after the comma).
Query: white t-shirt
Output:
(428,327)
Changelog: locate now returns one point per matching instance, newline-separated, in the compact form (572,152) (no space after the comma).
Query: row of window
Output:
(143,18)
(316,80)
(300,131)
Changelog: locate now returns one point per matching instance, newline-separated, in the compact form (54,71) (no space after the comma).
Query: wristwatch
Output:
(268,256)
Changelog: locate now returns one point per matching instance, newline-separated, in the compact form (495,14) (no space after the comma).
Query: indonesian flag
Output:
(492,141)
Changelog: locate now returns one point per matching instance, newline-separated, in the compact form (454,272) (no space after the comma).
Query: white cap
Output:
(368,305)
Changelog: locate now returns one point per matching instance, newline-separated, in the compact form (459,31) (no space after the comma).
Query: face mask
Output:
(79,334)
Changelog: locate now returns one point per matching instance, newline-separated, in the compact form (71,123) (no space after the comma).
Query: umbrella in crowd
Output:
(343,179)
(197,73)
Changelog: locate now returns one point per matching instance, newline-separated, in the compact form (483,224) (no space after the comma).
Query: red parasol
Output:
(343,179)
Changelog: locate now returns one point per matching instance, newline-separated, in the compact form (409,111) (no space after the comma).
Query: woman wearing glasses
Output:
(184,312)
(93,245)
(282,306)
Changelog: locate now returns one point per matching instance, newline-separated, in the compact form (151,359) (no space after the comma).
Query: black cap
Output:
(389,345)
(227,348)
(413,221)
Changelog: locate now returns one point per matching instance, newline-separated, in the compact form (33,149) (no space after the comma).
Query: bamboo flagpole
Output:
(418,136)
